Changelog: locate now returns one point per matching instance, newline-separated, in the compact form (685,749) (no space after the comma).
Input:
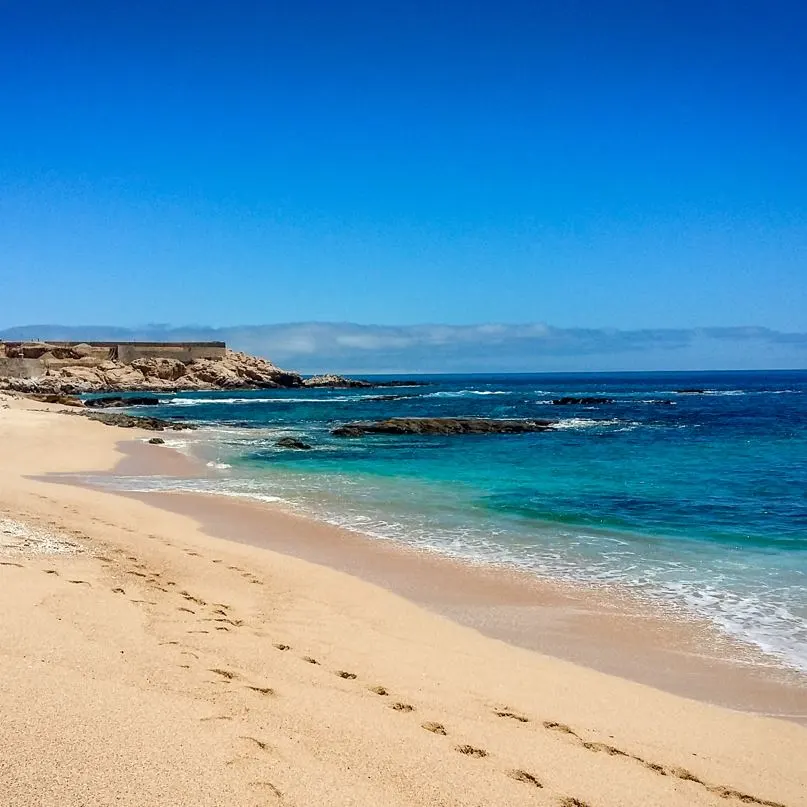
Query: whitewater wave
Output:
(588,423)
(464,393)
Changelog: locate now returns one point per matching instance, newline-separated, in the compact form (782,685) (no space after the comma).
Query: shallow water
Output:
(698,500)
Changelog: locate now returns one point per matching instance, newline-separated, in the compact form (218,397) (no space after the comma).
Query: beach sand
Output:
(146,662)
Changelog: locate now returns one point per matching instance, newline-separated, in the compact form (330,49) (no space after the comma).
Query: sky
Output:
(638,166)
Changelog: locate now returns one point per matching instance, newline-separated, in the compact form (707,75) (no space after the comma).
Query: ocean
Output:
(689,489)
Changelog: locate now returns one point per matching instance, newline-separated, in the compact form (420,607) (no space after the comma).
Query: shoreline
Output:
(146,662)
(601,628)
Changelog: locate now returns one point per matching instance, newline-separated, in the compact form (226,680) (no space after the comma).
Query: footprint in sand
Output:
(229,675)
(310,660)
(348,675)
(260,743)
(79,582)
(402,707)
(118,590)
(51,571)
(435,728)
(262,690)
(523,776)
(512,716)
(572,802)
(562,727)
(282,647)
(10,563)
(187,610)
(470,751)
(269,786)
(379,690)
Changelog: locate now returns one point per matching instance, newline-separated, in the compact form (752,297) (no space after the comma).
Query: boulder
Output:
(445,426)
(157,441)
(124,378)
(292,442)
(59,398)
(165,369)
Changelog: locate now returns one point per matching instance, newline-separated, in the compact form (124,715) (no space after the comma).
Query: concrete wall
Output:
(21,368)
(184,351)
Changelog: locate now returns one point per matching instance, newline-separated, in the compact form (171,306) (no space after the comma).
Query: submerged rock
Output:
(441,426)
(292,442)
(586,401)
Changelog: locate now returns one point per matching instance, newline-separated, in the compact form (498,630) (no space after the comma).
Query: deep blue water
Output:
(699,500)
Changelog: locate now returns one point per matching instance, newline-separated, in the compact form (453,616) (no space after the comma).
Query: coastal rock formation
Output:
(441,426)
(67,370)
(335,382)
(119,401)
(590,401)
(134,421)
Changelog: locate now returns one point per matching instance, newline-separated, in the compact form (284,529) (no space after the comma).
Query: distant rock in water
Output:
(591,401)
(335,382)
(441,426)
(692,391)
(292,442)
(120,401)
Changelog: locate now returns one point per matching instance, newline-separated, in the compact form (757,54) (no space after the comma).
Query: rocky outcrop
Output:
(134,421)
(441,426)
(233,371)
(590,401)
(292,442)
(64,400)
(335,382)
(120,401)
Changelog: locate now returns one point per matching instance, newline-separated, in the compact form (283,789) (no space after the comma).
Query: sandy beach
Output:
(148,660)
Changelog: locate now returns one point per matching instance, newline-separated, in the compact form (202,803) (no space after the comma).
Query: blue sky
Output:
(630,165)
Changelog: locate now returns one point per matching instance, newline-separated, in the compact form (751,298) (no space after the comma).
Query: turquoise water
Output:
(698,500)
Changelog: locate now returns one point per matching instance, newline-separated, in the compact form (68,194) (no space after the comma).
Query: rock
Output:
(590,401)
(441,426)
(59,398)
(97,373)
(335,382)
(164,369)
(692,391)
(157,441)
(125,377)
(134,421)
(110,401)
(292,442)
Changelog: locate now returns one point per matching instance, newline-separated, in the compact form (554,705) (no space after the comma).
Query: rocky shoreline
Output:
(77,370)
